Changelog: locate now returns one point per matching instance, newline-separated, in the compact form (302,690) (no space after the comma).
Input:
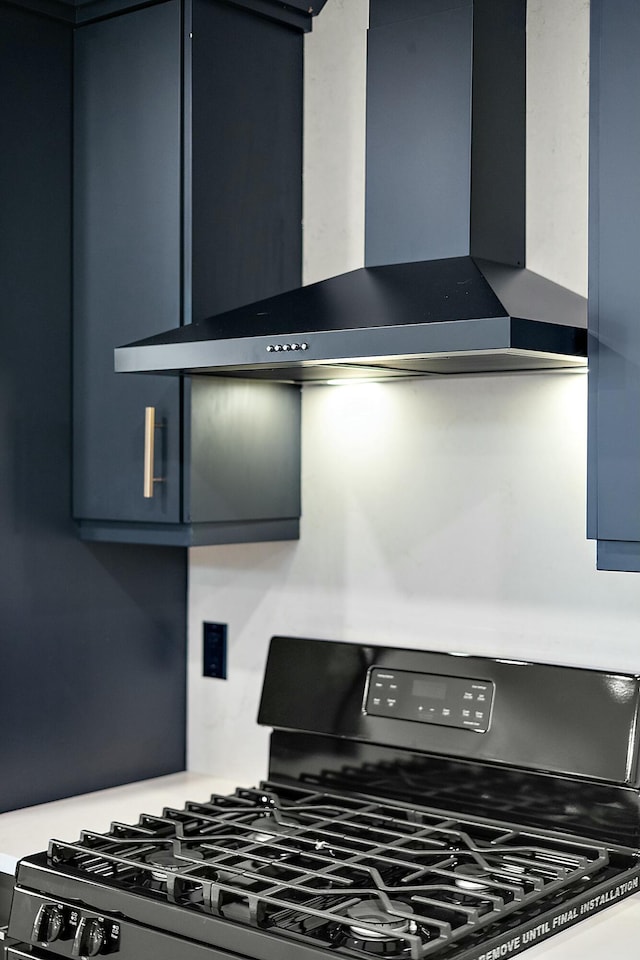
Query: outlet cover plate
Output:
(214,650)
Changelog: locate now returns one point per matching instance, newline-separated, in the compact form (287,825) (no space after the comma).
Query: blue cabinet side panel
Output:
(92,636)
(614,427)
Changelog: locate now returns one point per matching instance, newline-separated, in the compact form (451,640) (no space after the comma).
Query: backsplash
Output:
(445,514)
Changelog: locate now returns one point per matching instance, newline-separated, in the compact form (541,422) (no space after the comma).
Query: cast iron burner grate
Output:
(364,877)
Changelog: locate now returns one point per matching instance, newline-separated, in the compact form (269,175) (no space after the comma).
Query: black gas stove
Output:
(419,805)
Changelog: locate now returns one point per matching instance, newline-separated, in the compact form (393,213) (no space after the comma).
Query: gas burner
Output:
(374,914)
(387,939)
(459,898)
(169,863)
(471,876)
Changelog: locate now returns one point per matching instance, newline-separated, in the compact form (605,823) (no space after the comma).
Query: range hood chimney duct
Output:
(446,134)
(445,288)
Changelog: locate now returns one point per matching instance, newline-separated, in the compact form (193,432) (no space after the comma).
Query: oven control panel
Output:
(429,698)
(64,928)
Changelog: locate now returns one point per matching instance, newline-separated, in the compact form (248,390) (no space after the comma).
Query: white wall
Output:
(557,140)
(447,514)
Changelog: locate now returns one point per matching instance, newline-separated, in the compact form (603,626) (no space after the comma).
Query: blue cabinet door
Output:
(127,258)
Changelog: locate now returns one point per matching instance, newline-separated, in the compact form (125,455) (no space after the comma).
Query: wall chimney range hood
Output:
(444,289)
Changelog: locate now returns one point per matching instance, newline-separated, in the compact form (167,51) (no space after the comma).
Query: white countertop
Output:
(29,830)
(614,933)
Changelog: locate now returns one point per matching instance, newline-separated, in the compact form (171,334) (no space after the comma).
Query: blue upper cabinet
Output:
(614,269)
(187,202)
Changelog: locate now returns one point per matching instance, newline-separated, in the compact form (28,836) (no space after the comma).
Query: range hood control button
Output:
(277,347)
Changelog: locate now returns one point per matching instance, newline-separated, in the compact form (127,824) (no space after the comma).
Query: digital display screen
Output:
(432,689)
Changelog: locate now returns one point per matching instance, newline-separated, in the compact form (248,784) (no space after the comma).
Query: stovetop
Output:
(349,874)
(418,805)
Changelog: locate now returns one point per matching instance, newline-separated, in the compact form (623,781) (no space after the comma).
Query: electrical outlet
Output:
(214,650)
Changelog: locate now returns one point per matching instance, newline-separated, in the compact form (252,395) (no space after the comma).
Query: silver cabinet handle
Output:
(150,427)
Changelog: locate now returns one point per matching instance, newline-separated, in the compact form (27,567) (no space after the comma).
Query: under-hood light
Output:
(346,382)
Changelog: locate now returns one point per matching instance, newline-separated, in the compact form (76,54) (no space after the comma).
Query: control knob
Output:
(89,939)
(48,924)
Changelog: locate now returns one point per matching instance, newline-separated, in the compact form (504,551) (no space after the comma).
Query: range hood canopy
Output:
(445,289)
(436,316)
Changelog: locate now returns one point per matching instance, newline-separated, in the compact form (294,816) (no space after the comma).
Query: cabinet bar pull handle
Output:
(150,427)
